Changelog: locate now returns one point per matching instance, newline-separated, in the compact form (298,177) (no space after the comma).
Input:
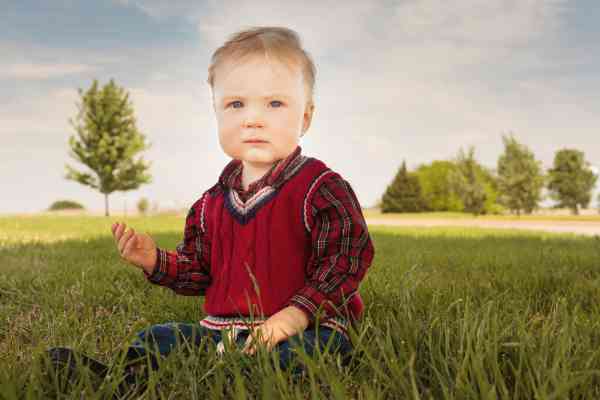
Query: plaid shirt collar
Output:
(231,177)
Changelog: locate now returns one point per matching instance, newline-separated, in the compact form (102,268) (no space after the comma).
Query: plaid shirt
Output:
(342,249)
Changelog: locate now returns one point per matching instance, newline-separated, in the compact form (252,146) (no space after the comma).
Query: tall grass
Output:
(451,314)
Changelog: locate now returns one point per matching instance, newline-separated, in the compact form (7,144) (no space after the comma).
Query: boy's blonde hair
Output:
(280,42)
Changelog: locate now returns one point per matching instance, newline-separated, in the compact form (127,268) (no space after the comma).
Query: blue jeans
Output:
(166,337)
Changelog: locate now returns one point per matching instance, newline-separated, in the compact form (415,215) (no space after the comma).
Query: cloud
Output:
(171,112)
(216,20)
(491,23)
(319,35)
(36,117)
(159,9)
(32,71)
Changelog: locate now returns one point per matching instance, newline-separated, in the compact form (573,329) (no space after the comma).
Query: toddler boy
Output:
(279,244)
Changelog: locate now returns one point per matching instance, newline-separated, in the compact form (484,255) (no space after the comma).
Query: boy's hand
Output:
(280,326)
(137,248)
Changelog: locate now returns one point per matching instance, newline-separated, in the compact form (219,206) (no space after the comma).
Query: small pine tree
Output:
(107,141)
(571,180)
(403,194)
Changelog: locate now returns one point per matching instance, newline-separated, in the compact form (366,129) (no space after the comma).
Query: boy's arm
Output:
(342,249)
(186,270)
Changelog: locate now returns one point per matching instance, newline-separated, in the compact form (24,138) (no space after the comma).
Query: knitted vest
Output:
(260,249)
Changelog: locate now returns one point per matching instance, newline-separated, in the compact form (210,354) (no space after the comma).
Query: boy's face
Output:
(261,109)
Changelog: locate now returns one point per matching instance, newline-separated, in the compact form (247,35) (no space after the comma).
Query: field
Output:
(452,313)
(586,224)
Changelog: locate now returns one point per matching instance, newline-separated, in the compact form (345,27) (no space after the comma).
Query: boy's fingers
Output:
(129,245)
(249,345)
(126,238)
(119,231)
(257,338)
(123,240)
(120,238)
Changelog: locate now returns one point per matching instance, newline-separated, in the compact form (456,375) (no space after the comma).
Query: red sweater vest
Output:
(260,249)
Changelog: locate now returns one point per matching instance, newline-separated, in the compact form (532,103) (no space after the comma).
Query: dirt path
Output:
(583,227)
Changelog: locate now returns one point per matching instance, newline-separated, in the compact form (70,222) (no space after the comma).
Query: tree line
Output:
(516,185)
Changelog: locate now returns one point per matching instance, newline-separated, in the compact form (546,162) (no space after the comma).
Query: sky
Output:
(412,80)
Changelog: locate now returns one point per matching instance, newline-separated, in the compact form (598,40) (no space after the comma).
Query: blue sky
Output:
(405,79)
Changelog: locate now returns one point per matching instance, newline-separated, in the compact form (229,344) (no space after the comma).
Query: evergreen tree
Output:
(107,141)
(571,180)
(520,177)
(403,194)
(469,183)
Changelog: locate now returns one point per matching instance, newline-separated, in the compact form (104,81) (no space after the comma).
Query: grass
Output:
(452,313)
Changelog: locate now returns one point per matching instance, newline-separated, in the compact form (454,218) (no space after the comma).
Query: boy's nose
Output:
(253,118)
(253,123)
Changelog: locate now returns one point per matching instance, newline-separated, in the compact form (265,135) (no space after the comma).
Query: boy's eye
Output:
(238,104)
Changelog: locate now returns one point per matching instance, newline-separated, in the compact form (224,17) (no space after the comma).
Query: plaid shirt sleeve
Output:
(186,270)
(342,249)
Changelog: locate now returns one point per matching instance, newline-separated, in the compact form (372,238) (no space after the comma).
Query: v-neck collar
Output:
(244,205)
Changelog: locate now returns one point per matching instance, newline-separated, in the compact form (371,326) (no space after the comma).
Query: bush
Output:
(65,205)
(436,185)
(143,205)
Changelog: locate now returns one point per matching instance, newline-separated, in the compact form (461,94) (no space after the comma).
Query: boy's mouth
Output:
(255,141)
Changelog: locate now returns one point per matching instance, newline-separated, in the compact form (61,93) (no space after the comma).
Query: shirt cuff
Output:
(316,303)
(157,274)
(310,301)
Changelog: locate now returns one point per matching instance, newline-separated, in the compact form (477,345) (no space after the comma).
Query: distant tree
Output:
(520,177)
(403,194)
(570,180)
(468,182)
(143,205)
(598,203)
(491,204)
(107,141)
(65,205)
(436,186)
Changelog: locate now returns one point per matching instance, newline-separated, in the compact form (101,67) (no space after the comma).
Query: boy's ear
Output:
(308,114)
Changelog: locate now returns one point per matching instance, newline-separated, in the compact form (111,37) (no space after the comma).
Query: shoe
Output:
(64,357)
(67,365)
(135,380)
